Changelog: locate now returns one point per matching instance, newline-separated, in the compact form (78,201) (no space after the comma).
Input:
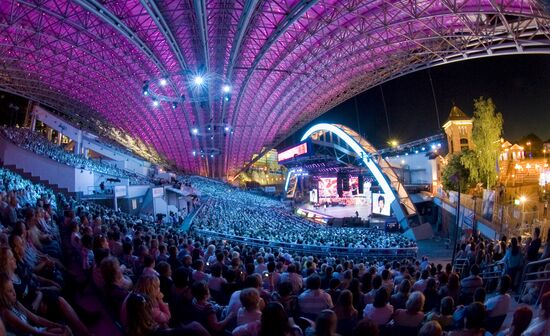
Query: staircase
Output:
(36,179)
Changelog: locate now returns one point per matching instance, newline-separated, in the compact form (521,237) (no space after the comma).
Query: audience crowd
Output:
(153,279)
(37,143)
(233,217)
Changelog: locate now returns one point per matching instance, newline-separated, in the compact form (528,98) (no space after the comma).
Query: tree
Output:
(455,172)
(486,133)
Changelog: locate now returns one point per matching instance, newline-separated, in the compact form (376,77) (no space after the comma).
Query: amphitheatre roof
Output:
(285,62)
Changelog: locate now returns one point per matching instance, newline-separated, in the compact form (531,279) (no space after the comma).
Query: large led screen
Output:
(328,187)
(379,205)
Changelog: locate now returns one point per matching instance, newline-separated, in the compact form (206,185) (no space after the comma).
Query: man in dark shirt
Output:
(533,250)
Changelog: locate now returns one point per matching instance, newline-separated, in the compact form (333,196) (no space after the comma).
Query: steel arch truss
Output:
(288,60)
(402,206)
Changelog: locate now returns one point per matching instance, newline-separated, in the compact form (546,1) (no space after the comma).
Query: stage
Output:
(340,211)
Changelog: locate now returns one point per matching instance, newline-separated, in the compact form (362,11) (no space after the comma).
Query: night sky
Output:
(519,86)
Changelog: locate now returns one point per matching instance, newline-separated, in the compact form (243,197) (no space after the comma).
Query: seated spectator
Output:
(325,324)
(474,318)
(334,289)
(291,275)
(285,297)
(420,285)
(35,296)
(313,300)
(149,266)
(413,315)
(380,311)
(149,286)
(459,314)
(142,323)
(432,328)
(346,313)
(366,327)
(469,285)
(204,312)
(251,281)
(432,296)
(540,325)
(165,277)
(250,310)
(115,289)
(198,274)
(180,299)
(445,315)
(275,322)
(216,281)
(19,319)
(520,322)
(399,300)
(452,288)
(499,305)
(376,284)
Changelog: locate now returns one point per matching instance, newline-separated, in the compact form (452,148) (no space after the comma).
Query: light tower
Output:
(458,128)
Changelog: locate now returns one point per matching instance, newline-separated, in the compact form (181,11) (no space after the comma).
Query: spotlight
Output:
(423,148)
(156,103)
(433,146)
(226,98)
(195,131)
(145,88)
(226,88)
(416,151)
(163,82)
(211,155)
(174,105)
(226,128)
(194,153)
(198,80)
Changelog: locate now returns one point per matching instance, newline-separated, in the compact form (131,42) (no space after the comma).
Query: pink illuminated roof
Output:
(288,61)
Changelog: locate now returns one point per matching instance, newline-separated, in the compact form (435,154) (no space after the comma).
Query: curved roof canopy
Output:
(287,61)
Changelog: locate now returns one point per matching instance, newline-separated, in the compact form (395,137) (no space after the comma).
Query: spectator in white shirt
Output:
(499,305)
(380,311)
(314,299)
(293,277)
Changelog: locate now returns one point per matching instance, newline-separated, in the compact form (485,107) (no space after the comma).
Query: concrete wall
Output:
(71,178)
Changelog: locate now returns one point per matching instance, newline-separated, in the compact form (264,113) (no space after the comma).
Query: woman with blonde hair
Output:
(149,286)
(142,323)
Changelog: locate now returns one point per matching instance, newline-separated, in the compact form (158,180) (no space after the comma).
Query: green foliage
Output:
(455,172)
(486,133)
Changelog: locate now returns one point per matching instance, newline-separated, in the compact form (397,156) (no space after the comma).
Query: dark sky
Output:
(519,86)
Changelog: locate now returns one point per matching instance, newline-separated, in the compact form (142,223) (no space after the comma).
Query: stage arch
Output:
(402,206)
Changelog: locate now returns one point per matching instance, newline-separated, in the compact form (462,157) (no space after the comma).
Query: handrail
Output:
(405,252)
(538,277)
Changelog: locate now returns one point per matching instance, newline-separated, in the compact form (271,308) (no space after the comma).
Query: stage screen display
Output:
(379,205)
(290,153)
(328,188)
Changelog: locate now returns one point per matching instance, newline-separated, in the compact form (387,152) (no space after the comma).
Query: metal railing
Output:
(535,280)
(387,253)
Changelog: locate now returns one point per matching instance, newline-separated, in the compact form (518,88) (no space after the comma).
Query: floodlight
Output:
(163,82)
(195,131)
(198,80)
(226,88)
(156,103)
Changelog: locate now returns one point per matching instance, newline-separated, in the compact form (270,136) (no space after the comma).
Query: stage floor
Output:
(340,212)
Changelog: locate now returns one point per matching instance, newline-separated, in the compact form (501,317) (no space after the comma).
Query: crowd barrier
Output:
(385,253)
